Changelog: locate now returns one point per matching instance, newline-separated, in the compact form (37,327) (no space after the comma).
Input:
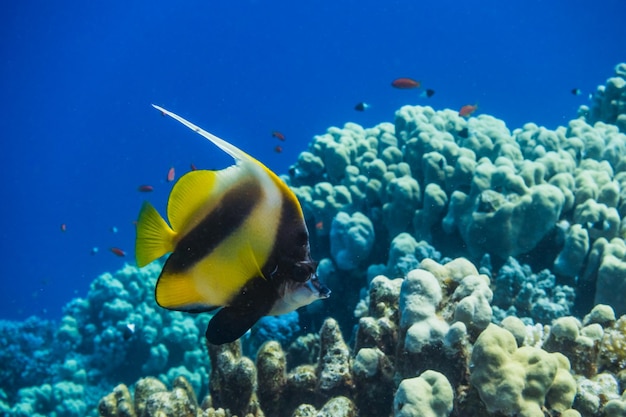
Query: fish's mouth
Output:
(318,287)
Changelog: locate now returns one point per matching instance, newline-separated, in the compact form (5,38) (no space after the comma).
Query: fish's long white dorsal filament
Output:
(230,149)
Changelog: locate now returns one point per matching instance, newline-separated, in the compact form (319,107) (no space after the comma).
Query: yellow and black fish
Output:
(237,239)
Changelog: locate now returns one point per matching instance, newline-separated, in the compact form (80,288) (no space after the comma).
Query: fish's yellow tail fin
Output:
(154,237)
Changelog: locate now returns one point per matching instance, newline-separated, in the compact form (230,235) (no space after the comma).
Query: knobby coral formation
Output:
(424,346)
(116,334)
(609,101)
(553,197)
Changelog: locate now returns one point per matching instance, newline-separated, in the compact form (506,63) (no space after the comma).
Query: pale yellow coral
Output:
(613,345)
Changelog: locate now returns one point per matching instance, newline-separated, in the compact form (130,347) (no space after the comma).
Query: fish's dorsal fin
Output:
(236,153)
(230,149)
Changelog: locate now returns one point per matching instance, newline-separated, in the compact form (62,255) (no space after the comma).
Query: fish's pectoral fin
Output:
(253,302)
(154,236)
(229,324)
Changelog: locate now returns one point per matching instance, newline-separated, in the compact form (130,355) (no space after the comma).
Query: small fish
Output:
(576,91)
(118,252)
(405,83)
(145,188)
(238,241)
(468,110)
(278,135)
(113,229)
(319,225)
(193,167)
(362,106)
(94,250)
(278,149)
(64,227)
(171,174)
(428,93)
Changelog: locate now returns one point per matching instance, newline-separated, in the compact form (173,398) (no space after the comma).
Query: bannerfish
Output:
(238,241)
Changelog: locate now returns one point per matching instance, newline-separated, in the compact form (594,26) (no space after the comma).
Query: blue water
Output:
(77,79)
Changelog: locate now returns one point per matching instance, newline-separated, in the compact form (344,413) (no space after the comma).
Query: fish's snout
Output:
(322,290)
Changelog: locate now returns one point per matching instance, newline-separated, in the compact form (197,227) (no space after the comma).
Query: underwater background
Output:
(79,135)
(78,79)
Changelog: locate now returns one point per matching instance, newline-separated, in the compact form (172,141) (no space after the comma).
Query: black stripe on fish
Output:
(229,214)
(290,258)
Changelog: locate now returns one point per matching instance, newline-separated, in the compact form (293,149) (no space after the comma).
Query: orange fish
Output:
(145,188)
(278,135)
(278,149)
(64,227)
(468,110)
(118,252)
(171,174)
(319,225)
(405,83)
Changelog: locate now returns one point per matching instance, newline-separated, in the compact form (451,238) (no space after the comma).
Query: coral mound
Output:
(424,346)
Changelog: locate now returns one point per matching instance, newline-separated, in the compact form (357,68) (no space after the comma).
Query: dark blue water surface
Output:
(77,79)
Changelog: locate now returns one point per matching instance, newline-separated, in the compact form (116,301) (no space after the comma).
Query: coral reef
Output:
(519,381)
(151,399)
(609,101)
(533,297)
(116,334)
(553,198)
(418,352)
(428,395)
(475,271)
